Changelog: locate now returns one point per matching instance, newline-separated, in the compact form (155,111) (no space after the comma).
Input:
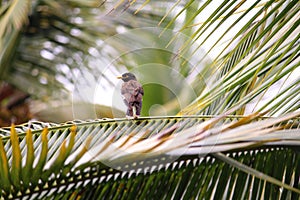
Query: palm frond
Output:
(265,54)
(13,15)
(72,157)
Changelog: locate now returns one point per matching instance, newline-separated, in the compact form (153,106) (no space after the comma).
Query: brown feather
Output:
(132,92)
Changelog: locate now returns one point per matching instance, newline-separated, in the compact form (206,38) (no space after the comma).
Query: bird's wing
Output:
(132,91)
(139,89)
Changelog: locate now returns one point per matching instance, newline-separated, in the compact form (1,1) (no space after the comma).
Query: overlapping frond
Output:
(64,158)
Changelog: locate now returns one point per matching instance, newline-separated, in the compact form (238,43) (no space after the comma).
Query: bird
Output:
(132,93)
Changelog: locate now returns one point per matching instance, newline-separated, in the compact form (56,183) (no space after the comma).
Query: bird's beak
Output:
(119,77)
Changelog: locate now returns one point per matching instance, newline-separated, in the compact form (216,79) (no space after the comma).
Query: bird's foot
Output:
(132,117)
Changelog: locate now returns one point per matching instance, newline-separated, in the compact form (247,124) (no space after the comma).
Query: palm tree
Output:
(227,69)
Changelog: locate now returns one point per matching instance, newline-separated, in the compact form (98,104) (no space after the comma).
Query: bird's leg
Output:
(130,112)
(134,112)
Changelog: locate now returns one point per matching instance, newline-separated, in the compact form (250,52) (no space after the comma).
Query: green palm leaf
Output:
(109,151)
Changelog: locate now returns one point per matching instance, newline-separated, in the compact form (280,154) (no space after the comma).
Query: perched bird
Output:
(132,93)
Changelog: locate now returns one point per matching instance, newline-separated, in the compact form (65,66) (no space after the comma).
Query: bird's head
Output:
(127,77)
